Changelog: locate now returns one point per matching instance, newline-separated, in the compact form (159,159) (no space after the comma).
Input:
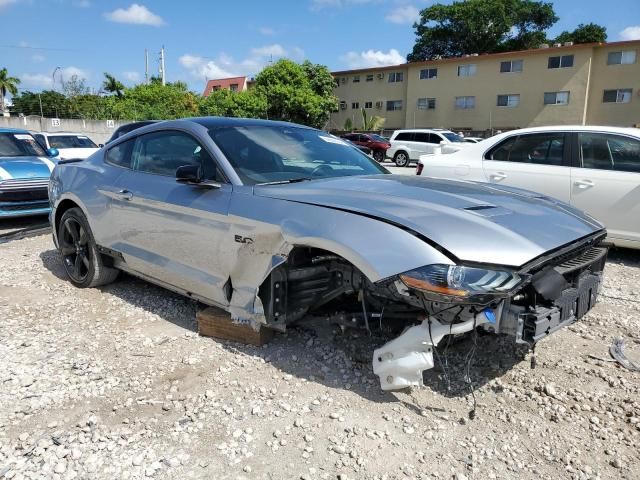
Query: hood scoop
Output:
(486,210)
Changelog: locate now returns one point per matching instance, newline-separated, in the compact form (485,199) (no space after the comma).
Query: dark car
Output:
(129,127)
(376,143)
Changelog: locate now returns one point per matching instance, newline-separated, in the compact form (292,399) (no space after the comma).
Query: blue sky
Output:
(207,39)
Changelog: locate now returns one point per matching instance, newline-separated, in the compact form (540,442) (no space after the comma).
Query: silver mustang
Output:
(275,222)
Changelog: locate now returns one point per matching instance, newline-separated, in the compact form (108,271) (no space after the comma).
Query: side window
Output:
(609,152)
(120,155)
(538,148)
(161,153)
(435,138)
(405,136)
(421,137)
(501,152)
(40,139)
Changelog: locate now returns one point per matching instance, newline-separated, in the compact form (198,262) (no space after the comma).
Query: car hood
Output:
(25,167)
(71,153)
(475,222)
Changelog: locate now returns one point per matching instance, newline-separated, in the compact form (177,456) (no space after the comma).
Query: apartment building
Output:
(235,84)
(593,84)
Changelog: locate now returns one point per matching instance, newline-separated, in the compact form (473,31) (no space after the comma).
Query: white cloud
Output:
(372,58)
(317,5)
(135,14)
(36,80)
(131,76)
(67,72)
(630,33)
(267,31)
(405,15)
(37,58)
(225,66)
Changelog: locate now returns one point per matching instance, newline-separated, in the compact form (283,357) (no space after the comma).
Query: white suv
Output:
(408,145)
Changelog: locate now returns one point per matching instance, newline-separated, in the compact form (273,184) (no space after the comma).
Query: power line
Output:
(29,47)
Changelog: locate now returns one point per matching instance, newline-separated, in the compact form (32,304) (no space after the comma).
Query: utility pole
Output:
(162,72)
(146,66)
(40,98)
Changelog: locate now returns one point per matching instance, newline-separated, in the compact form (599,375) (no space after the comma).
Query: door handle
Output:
(497,176)
(125,194)
(584,184)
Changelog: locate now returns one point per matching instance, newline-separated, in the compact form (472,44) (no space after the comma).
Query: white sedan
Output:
(70,145)
(595,169)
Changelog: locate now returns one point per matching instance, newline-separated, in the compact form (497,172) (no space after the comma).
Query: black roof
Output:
(211,122)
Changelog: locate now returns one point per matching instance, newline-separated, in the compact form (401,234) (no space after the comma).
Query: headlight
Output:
(460,283)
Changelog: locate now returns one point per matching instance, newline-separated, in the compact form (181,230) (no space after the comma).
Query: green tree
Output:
(7,85)
(225,103)
(372,123)
(297,93)
(54,104)
(348,124)
(112,85)
(480,26)
(589,33)
(74,86)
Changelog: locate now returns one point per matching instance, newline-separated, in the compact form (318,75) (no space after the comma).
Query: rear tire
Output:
(401,159)
(378,156)
(81,259)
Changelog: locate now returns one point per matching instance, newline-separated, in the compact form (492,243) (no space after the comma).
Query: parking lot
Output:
(115,383)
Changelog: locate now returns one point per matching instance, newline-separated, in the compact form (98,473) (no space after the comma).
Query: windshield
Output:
(378,138)
(453,137)
(71,141)
(263,154)
(19,145)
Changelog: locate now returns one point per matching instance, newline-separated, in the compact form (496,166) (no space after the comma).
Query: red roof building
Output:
(235,84)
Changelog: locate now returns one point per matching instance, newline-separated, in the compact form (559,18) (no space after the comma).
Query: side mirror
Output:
(53,152)
(189,174)
(101,145)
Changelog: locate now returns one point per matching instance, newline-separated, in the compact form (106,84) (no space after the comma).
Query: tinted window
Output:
(435,138)
(539,148)
(609,152)
(71,141)
(404,136)
(263,154)
(421,137)
(501,152)
(41,140)
(162,153)
(120,155)
(19,145)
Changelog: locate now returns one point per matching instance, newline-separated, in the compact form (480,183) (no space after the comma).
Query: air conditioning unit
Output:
(544,45)
(343,80)
(568,44)
(381,76)
(557,45)
(379,104)
(343,105)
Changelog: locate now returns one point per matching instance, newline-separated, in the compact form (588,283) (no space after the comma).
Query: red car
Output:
(376,143)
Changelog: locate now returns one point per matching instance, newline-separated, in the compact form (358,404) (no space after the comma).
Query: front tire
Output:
(81,259)
(401,159)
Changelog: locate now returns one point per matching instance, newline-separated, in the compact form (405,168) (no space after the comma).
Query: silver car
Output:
(274,222)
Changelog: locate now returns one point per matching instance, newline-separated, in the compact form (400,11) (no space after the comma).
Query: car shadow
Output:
(323,353)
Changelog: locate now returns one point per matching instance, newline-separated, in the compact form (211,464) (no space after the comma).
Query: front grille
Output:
(590,258)
(24,195)
(23,207)
(19,184)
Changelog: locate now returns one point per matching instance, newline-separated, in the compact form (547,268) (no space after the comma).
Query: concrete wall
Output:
(585,81)
(97,130)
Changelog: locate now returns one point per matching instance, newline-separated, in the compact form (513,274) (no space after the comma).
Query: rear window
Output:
(20,145)
(405,136)
(71,141)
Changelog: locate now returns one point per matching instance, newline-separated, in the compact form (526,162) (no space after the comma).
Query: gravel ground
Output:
(115,383)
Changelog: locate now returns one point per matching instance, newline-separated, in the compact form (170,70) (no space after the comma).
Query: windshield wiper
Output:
(291,180)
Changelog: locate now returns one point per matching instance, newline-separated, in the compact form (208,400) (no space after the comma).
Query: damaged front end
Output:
(436,301)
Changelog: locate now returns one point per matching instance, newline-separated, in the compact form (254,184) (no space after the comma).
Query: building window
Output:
(369,77)
(556,98)
(233,87)
(511,66)
(621,95)
(396,77)
(356,79)
(467,70)
(343,105)
(368,104)
(564,61)
(355,105)
(509,100)
(465,102)
(621,58)
(426,104)
(393,105)
(343,80)
(427,73)
(337,81)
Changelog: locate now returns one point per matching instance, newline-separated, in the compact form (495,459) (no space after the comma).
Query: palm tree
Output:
(7,85)
(112,85)
(371,124)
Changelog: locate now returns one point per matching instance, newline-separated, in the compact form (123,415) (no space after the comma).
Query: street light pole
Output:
(53,78)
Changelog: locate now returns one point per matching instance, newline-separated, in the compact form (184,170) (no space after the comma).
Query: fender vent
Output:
(476,208)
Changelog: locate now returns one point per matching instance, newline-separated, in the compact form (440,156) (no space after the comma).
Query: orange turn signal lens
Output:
(426,286)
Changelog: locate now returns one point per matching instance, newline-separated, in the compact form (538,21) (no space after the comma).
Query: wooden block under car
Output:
(214,322)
